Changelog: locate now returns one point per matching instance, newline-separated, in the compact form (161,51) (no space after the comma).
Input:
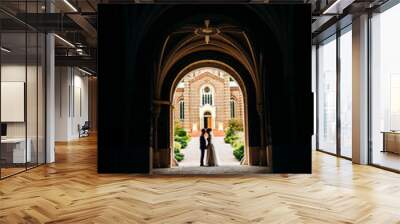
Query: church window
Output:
(206,96)
(181,110)
(233,114)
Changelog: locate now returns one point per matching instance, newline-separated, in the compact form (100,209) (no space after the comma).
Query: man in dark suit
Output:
(203,146)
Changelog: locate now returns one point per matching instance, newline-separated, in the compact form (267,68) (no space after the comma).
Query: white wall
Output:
(71,103)
(17,73)
(62,82)
(33,126)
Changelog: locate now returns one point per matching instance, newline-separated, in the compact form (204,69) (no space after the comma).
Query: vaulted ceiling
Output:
(206,35)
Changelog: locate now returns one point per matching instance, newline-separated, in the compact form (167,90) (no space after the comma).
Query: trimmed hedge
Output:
(181,136)
(181,140)
(233,136)
(239,152)
(177,152)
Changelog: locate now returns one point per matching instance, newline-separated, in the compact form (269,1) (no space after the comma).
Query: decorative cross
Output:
(207,31)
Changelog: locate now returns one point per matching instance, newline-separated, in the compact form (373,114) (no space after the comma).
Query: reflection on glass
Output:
(385,95)
(15,151)
(327,96)
(346,94)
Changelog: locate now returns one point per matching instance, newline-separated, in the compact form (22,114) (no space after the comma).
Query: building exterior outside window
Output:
(203,99)
(327,95)
(385,89)
(346,93)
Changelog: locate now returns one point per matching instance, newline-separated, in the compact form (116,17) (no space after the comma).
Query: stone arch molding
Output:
(243,86)
(232,48)
(229,39)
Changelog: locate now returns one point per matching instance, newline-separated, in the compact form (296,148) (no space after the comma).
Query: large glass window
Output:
(346,93)
(327,95)
(385,88)
(22,89)
(15,149)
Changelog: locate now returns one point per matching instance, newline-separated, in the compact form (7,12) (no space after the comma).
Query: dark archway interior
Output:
(137,68)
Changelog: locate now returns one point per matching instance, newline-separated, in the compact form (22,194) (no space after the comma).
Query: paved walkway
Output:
(224,153)
(215,170)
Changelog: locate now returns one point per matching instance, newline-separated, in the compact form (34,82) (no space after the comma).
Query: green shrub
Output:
(231,139)
(177,146)
(234,136)
(179,157)
(237,142)
(228,135)
(181,136)
(177,151)
(227,139)
(238,152)
(183,141)
(235,125)
(180,132)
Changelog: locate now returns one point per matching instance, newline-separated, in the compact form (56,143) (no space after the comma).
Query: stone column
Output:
(50,92)
(263,149)
(154,152)
(360,90)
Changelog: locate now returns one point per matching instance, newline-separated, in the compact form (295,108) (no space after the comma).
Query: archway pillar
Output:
(162,152)
(258,155)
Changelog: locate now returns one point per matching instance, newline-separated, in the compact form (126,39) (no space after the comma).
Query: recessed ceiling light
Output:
(70,5)
(5,50)
(64,40)
(84,71)
(338,6)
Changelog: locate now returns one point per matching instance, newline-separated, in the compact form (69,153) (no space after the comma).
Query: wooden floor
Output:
(70,191)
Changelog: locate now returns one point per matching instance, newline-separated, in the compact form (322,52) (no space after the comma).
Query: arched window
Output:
(181,110)
(206,96)
(233,107)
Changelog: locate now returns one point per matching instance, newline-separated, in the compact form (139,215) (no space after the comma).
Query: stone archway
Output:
(254,155)
(205,112)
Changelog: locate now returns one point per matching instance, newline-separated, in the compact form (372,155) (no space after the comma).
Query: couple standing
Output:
(206,144)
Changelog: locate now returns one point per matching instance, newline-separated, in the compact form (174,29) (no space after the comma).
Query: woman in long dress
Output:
(212,159)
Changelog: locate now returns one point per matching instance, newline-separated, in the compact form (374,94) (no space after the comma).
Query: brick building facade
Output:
(207,98)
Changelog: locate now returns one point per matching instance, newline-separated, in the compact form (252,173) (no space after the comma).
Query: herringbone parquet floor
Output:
(70,191)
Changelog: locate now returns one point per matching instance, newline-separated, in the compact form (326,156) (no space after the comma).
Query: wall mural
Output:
(144,51)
